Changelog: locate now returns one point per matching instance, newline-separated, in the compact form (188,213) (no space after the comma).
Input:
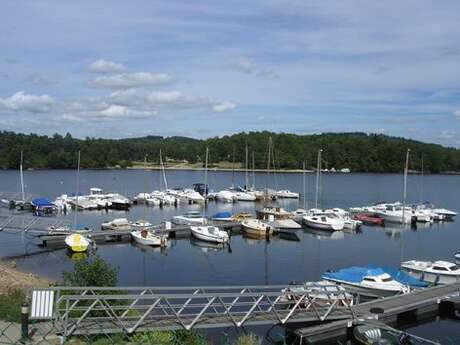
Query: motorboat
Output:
(191,217)
(276,212)
(243,196)
(298,215)
(322,293)
(226,196)
(222,217)
(210,233)
(284,224)
(148,238)
(141,224)
(153,201)
(77,243)
(286,194)
(369,219)
(395,213)
(193,196)
(348,222)
(42,206)
(372,282)
(324,222)
(117,224)
(256,228)
(457,257)
(239,217)
(119,202)
(438,272)
(374,334)
(448,214)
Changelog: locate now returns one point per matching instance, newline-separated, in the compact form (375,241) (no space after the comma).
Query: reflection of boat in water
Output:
(77,256)
(209,246)
(147,249)
(325,235)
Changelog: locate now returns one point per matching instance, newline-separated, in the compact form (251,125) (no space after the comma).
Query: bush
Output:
(249,339)
(93,271)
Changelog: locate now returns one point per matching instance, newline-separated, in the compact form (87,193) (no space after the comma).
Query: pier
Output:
(126,310)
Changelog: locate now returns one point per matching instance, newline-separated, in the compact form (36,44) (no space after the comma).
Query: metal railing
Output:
(86,311)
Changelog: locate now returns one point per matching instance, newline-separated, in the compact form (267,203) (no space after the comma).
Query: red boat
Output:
(369,219)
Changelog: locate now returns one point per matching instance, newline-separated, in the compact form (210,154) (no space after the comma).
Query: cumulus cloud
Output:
(106,66)
(32,103)
(131,80)
(247,66)
(224,106)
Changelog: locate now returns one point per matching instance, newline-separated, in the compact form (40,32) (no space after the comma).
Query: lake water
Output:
(250,262)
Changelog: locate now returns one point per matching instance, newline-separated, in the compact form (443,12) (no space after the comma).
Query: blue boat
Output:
(374,281)
(223,217)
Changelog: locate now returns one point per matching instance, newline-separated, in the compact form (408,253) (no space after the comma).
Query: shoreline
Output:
(14,279)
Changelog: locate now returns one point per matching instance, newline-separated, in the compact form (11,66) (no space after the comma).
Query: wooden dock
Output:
(109,236)
(392,311)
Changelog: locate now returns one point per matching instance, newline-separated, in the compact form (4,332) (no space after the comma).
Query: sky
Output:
(118,69)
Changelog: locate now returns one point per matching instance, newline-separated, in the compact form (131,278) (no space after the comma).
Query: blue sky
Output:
(205,68)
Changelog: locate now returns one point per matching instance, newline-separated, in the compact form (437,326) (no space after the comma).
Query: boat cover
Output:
(42,202)
(222,215)
(356,274)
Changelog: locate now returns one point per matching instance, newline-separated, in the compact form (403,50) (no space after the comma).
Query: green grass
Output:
(10,306)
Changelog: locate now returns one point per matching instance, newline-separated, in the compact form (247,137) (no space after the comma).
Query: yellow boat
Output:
(77,243)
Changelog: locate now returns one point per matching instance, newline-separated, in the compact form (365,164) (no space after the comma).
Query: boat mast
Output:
(421,183)
(233,167)
(246,181)
(406,168)
(318,176)
(165,182)
(304,186)
(253,172)
(77,190)
(145,186)
(206,175)
(21,173)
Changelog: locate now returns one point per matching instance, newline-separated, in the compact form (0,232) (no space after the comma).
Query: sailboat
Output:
(77,242)
(317,219)
(208,232)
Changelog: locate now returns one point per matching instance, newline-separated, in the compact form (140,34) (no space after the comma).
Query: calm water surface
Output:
(250,262)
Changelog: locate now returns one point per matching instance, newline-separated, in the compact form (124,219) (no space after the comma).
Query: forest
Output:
(360,152)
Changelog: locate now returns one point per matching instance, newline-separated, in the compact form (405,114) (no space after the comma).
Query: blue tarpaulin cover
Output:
(222,215)
(42,202)
(355,274)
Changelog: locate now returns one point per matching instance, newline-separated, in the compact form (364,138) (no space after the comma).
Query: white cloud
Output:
(457,113)
(105,66)
(32,103)
(247,66)
(224,106)
(131,80)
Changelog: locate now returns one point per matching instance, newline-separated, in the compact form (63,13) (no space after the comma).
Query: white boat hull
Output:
(205,236)
(432,278)
(329,226)
(364,290)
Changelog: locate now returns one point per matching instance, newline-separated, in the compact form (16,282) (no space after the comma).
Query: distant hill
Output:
(359,152)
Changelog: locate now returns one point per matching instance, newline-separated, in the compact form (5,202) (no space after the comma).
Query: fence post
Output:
(24,321)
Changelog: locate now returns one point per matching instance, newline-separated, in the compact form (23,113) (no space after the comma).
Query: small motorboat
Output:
(222,217)
(438,272)
(276,212)
(119,202)
(141,224)
(372,282)
(394,213)
(447,214)
(379,335)
(209,233)
(324,222)
(191,217)
(286,194)
(226,196)
(117,224)
(77,243)
(256,228)
(148,238)
(322,293)
(369,219)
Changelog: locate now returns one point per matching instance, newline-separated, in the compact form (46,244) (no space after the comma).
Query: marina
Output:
(275,260)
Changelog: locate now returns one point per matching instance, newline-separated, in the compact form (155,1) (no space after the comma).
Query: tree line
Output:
(360,152)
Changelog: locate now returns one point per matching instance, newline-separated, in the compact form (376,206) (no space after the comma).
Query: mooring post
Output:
(24,321)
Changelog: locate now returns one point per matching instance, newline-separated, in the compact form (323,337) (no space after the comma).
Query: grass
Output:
(10,306)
